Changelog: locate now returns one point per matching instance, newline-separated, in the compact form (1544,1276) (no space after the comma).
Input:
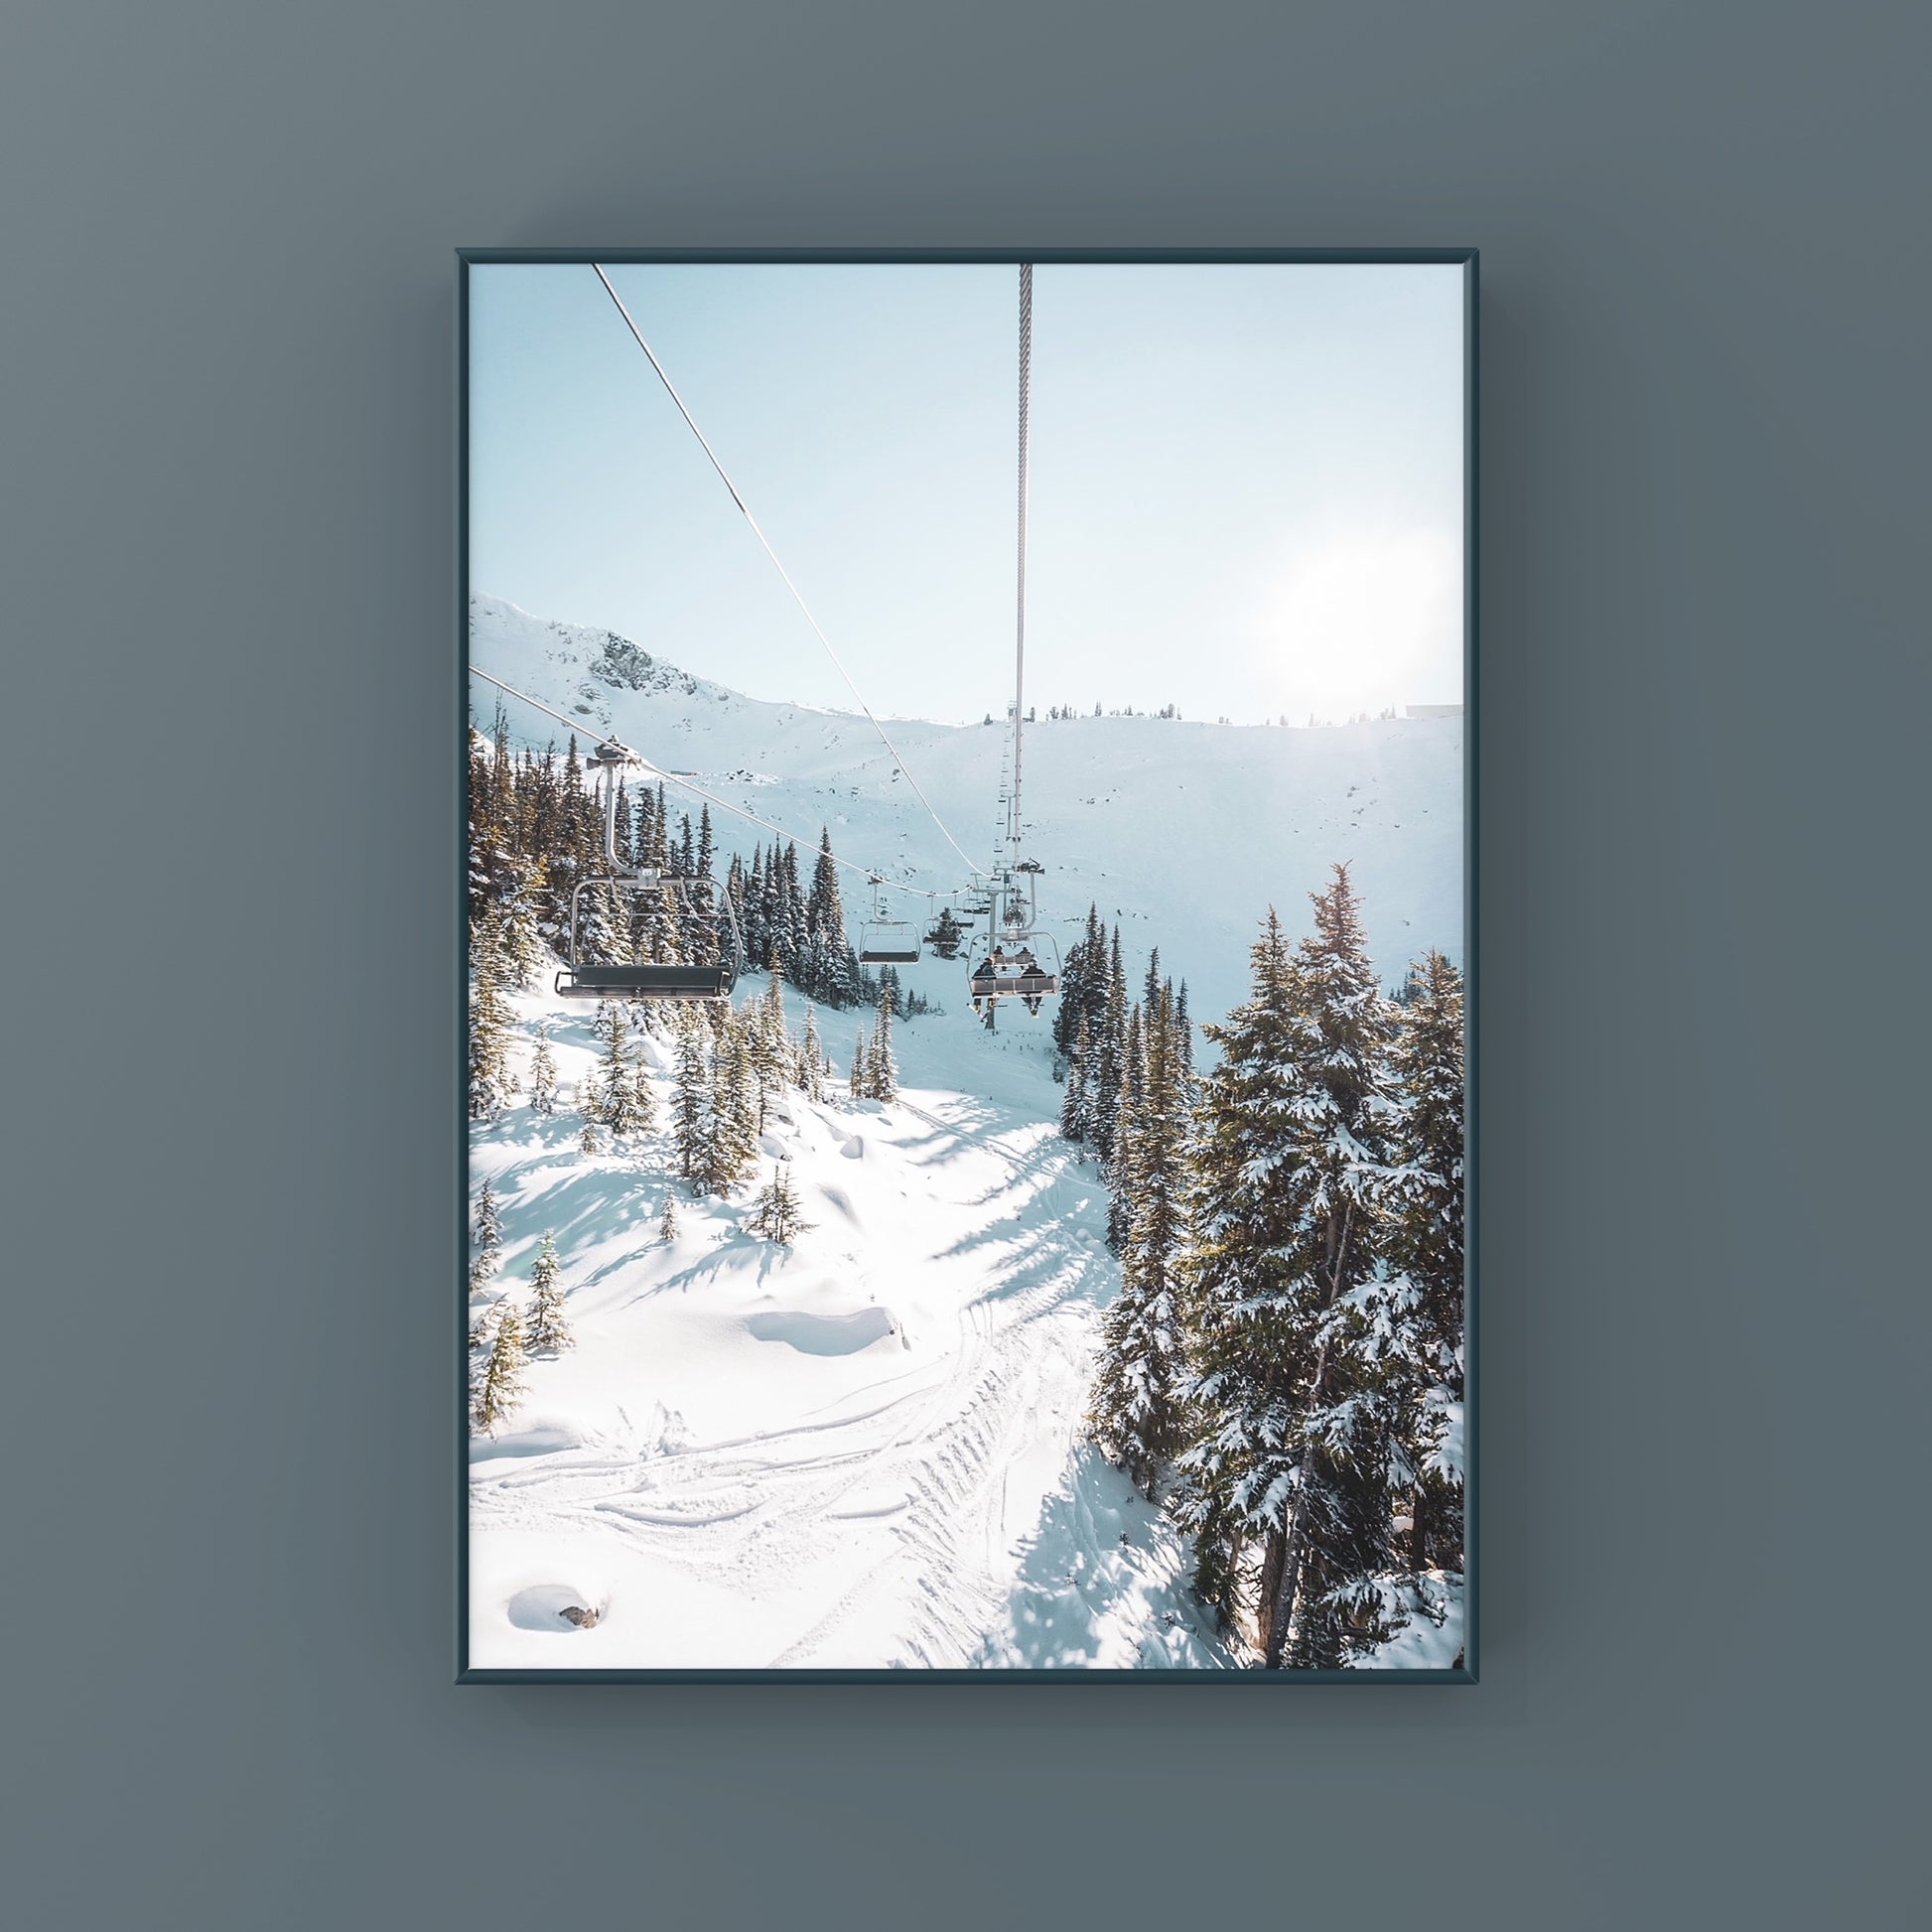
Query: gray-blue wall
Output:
(225,235)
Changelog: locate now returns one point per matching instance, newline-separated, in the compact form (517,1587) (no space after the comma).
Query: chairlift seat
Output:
(700,898)
(889,955)
(680,980)
(1008,977)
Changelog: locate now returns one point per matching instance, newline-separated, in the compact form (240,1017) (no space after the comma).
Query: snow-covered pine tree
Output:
(661,852)
(1102,977)
(731,1146)
(549,1329)
(1109,1053)
(775,1214)
(643,839)
(1126,1122)
(810,975)
(498,1384)
(520,903)
(543,1073)
(1353,1472)
(488,830)
(881,1069)
(742,1091)
(625,1104)
(824,909)
(772,1055)
(626,847)
(947,934)
(859,1082)
(751,911)
(668,1228)
(604,922)
(1082,978)
(1281,1238)
(792,925)
(486,1239)
(1421,1215)
(1074,1104)
(1140,1406)
(490,1083)
(643,1094)
(690,1100)
(1246,1333)
(660,930)
(734,891)
(811,1058)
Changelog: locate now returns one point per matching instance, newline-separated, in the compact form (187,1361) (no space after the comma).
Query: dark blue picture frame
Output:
(1468,260)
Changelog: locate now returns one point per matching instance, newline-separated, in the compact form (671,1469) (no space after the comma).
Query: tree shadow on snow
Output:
(1102,1584)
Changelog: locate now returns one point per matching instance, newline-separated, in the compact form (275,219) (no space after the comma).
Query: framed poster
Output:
(965,1037)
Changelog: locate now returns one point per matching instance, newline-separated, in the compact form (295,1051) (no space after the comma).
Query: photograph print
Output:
(965,975)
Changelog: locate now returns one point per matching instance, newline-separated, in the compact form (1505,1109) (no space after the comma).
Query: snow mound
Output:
(539,1439)
(824,1334)
(542,1607)
(854,1148)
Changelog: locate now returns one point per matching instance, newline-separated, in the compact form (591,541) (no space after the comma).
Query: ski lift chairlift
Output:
(885,940)
(1013,967)
(697,899)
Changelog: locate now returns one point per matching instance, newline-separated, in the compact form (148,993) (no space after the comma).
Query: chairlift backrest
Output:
(690,978)
(700,900)
(882,940)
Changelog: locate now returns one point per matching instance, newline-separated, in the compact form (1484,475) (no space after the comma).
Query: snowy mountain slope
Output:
(868,1449)
(1186,832)
(862,1451)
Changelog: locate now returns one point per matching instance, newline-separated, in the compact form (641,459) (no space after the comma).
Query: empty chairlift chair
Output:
(882,940)
(698,903)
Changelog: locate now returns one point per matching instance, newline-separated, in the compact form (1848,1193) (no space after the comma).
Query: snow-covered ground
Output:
(863,1451)
(866,1451)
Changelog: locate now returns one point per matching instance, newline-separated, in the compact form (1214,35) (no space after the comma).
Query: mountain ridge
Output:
(1183,831)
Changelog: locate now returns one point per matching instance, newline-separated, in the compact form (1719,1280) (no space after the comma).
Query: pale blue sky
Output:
(1246,480)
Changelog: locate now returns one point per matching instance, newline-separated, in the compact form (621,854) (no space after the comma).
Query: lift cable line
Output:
(1020,602)
(681,784)
(744,511)
(1013,968)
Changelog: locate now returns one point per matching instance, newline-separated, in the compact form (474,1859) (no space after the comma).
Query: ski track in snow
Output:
(910,1488)
(868,1450)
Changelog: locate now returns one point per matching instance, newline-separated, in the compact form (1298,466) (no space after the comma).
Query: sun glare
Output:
(1361,622)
